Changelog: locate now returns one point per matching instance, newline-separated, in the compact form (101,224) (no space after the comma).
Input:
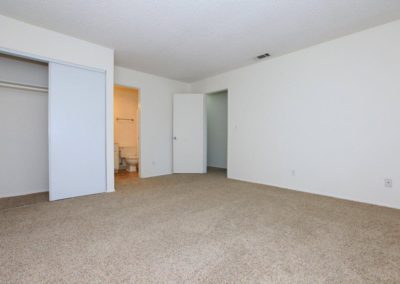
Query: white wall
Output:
(156,118)
(330,113)
(217,129)
(26,39)
(23,127)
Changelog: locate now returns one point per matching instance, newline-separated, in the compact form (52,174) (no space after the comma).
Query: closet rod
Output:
(23,86)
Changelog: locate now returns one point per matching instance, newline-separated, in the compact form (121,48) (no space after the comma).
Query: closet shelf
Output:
(19,86)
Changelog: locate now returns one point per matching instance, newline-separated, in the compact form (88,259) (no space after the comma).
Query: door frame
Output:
(139,124)
(45,59)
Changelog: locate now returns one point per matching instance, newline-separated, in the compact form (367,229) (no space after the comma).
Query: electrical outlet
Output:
(388,182)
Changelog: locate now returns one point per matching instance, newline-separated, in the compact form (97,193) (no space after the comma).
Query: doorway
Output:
(217,131)
(126,134)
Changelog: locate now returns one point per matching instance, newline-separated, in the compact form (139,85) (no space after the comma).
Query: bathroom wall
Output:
(23,126)
(126,107)
(217,129)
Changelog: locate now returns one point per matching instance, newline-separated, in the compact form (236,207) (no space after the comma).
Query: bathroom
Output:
(126,132)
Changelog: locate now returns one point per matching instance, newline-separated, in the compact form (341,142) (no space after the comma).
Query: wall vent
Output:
(262,56)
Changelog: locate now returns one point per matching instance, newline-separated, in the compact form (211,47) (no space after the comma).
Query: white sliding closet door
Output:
(77,122)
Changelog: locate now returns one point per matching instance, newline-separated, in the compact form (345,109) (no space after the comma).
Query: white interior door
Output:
(77,119)
(189,134)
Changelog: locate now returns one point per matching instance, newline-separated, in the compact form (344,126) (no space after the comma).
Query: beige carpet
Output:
(23,200)
(199,229)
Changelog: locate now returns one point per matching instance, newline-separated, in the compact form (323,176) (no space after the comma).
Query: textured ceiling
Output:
(188,40)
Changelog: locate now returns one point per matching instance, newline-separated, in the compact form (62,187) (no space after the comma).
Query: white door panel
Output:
(76,131)
(189,133)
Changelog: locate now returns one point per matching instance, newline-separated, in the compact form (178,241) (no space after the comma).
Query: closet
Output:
(23,126)
(52,125)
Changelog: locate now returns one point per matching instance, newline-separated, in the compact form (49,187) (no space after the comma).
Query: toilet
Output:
(131,158)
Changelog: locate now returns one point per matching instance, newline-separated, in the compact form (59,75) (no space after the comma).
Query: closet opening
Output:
(24,149)
(217,131)
(126,135)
